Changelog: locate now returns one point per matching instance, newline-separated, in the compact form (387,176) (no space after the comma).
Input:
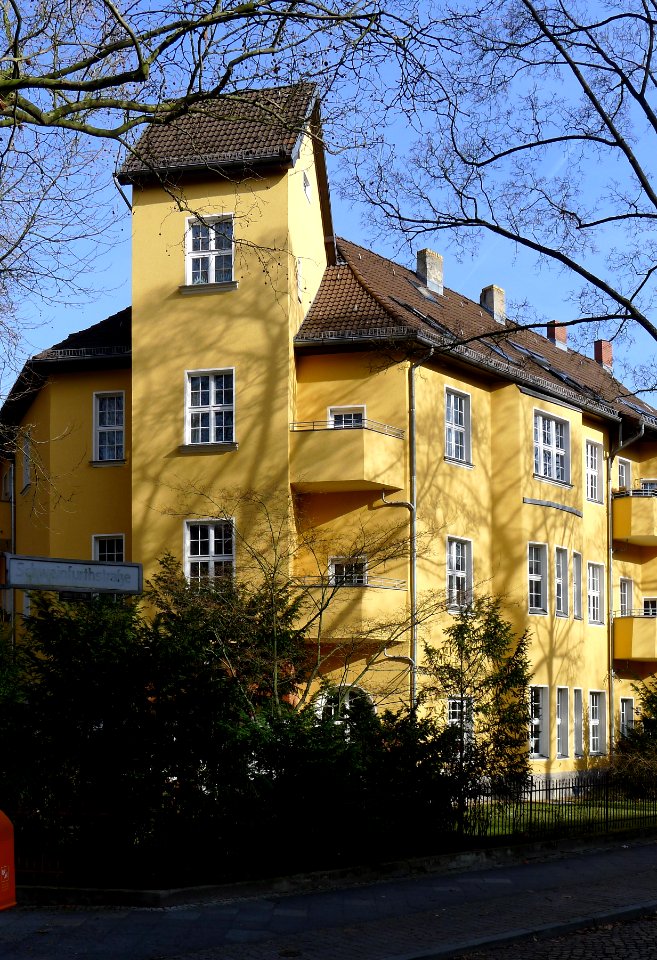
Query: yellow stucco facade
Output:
(228,419)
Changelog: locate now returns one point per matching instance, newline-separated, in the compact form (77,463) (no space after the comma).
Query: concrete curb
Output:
(545,932)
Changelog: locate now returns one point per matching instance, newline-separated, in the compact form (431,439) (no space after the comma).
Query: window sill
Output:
(107,463)
(564,484)
(561,616)
(537,613)
(600,503)
(25,488)
(190,289)
(208,447)
(596,623)
(460,463)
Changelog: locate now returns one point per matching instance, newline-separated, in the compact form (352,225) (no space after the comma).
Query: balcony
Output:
(635,517)
(329,459)
(358,610)
(635,636)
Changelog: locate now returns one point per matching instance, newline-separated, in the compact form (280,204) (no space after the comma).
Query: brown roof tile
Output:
(252,126)
(368,296)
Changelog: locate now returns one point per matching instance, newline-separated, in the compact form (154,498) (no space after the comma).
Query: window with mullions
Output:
(551,448)
(593,472)
(211,407)
(210,550)
(597,722)
(347,418)
(457,426)
(561,582)
(626,596)
(109,420)
(626,716)
(209,251)
(539,735)
(596,593)
(345,572)
(459,573)
(562,722)
(537,577)
(108,549)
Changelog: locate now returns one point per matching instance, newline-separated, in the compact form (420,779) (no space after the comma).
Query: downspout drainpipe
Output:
(411,505)
(622,444)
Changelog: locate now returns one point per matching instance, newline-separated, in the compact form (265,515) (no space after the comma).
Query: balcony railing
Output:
(367,580)
(638,612)
(635,492)
(365,424)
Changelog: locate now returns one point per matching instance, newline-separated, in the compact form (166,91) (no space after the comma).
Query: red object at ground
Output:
(7,872)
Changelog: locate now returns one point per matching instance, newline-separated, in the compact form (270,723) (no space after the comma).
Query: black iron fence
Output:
(578,806)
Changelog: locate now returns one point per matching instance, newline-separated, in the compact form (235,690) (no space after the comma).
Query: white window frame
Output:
(198,248)
(458,426)
(551,448)
(299,273)
(347,417)
(577,585)
(561,582)
(537,553)
(626,593)
(594,479)
(459,573)
(563,727)
(626,716)
(6,490)
(650,606)
(104,538)
(460,713)
(213,411)
(100,442)
(597,722)
(578,722)
(334,705)
(348,571)
(595,593)
(649,483)
(539,722)
(220,531)
(624,474)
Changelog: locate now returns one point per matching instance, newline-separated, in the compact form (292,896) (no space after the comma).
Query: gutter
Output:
(411,506)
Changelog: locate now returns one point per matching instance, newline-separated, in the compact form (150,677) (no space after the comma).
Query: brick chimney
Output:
(557,334)
(603,354)
(429,270)
(493,299)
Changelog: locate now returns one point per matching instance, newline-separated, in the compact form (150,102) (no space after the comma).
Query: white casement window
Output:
(459,573)
(210,404)
(299,272)
(348,571)
(561,582)
(577,586)
(563,737)
(307,189)
(457,426)
(650,486)
(336,705)
(626,716)
(597,722)
(347,418)
(539,735)
(109,426)
(551,448)
(209,251)
(578,723)
(650,606)
(537,577)
(596,592)
(594,472)
(6,483)
(624,474)
(626,596)
(209,549)
(26,454)
(109,549)
(460,714)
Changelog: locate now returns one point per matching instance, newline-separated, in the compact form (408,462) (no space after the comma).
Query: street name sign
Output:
(76,576)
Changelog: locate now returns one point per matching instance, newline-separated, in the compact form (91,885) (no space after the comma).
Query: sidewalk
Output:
(433,915)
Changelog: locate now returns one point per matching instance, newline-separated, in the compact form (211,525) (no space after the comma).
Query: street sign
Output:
(77,576)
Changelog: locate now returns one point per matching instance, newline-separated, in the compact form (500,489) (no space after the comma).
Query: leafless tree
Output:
(538,123)
(75,74)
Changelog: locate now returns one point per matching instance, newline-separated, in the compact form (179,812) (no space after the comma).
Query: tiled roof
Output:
(369,297)
(113,333)
(252,127)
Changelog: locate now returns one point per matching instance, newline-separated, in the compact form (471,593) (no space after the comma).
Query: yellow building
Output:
(408,441)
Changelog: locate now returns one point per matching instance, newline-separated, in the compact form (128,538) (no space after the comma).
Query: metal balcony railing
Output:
(634,492)
(636,612)
(375,425)
(359,581)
